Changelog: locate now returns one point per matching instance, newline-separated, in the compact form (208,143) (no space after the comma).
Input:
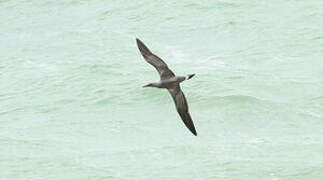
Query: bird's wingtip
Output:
(195,133)
(143,48)
(138,40)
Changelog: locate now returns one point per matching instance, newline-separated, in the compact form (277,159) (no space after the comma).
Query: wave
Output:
(240,100)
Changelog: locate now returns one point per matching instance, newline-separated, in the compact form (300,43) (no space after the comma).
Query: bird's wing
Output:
(182,107)
(159,64)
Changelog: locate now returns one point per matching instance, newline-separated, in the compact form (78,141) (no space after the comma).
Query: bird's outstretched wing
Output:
(159,64)
(182,107)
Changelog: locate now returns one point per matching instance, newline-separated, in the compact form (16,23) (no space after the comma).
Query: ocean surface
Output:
(72,106)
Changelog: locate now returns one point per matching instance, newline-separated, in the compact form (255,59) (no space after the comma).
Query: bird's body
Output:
(171,82)
(167,83)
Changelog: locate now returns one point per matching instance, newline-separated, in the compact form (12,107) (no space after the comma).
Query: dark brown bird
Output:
(169,81)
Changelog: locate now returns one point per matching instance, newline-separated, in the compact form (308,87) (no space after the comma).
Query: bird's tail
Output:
(189,76)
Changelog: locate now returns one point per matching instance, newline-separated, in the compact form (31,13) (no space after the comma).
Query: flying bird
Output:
(171,82)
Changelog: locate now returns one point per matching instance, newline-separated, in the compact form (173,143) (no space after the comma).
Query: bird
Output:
(171,82)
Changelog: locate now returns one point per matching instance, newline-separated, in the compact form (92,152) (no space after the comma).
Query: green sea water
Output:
(72,106)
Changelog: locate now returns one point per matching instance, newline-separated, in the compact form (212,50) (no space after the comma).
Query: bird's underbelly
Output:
(170,82)
(167,84)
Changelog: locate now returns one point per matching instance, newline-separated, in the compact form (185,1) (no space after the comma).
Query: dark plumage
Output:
(171,82)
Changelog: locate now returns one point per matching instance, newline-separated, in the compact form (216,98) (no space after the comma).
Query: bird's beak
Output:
(147,85)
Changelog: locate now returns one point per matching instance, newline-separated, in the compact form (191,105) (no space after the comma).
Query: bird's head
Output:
(148,85)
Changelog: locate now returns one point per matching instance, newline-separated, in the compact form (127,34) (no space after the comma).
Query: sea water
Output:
(72,106)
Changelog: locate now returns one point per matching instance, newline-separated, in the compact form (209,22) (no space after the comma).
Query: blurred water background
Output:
(72,106)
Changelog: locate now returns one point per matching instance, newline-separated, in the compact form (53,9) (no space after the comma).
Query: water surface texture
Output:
(72,106)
